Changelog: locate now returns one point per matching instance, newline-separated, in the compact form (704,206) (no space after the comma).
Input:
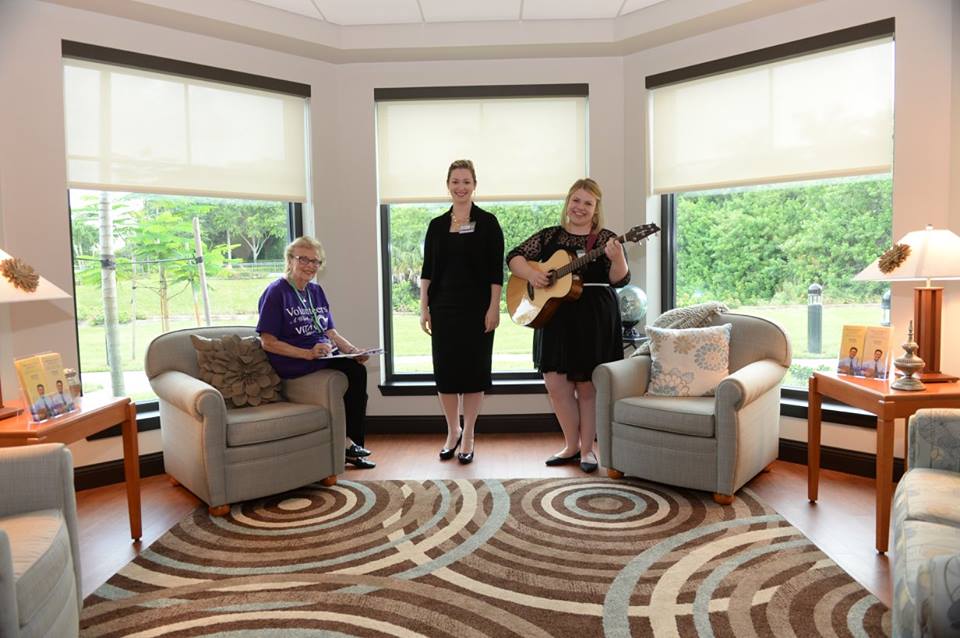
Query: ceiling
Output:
(366,12)
(344,31)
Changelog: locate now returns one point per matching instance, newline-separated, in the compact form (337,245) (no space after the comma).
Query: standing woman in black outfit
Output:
(460,288)
(583,333)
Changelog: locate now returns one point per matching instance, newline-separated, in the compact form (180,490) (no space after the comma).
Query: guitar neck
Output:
(583,260)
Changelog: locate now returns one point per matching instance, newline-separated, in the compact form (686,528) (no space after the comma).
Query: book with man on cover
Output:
(865,351)
(44,386)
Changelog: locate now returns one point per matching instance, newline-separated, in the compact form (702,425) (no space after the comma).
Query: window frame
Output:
(793,401)
(422,384)
(148,410)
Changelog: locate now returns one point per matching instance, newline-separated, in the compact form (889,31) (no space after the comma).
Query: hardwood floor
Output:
(841,523)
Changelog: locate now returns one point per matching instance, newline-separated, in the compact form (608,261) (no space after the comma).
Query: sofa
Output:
(926,529)
(711,443)
(225,455)
(40,590)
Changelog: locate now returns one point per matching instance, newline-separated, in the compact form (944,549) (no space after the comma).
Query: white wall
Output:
(926,63)
(32,165)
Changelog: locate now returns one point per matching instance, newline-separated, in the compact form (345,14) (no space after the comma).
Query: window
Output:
(776,185)
(507,132)
(186,182)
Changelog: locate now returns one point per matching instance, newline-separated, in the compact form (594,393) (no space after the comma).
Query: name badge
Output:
(468,228)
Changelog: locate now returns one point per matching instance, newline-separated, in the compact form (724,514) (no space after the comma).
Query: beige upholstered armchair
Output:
(714,443)
(39,551)
(225,455)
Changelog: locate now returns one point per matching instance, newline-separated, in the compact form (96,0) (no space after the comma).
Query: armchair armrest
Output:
(619,379)
(37,477)
(934,439)
(9,614)
(742,387)
(614,381)
(191,395)
(324,388)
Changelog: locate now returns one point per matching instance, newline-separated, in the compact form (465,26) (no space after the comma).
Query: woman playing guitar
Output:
(584,332)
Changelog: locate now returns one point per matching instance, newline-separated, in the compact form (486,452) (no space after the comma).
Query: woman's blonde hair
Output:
(304,242)
(591,187)
(462,163)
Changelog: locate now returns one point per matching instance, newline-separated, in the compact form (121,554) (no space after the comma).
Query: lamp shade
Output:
(934,254)
(10,293)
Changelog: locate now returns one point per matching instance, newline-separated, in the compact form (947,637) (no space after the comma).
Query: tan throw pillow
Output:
(690,362)
(237,367)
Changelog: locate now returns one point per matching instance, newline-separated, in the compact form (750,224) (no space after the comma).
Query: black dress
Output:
(461,267)
(586,332)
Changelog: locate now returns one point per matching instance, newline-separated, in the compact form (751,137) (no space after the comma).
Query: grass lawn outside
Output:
(234,302)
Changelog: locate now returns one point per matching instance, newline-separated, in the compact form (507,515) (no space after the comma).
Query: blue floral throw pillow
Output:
(690,362)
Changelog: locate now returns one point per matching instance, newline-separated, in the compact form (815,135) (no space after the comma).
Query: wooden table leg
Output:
(813,440)
(884,481)
(131,470)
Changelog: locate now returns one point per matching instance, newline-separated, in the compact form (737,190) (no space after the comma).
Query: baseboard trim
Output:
(831,458)
(839,459)
(489,423)
(110,472)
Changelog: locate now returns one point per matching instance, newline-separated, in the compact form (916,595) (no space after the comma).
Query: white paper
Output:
(368,352)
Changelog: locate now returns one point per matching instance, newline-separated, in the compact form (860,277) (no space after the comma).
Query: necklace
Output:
(456,223)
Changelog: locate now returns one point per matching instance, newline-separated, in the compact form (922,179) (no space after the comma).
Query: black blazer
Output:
(484,256)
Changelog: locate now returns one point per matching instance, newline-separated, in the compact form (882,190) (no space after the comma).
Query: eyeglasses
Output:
(307,261)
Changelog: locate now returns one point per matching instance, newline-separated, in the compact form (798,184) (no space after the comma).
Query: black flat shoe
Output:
(357,450)
(562,460)
(589,466)
(465,458)
(360,463)
(447,453)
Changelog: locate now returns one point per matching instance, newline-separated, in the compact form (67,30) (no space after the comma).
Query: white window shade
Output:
(142,131)
(522,148)
(827,114)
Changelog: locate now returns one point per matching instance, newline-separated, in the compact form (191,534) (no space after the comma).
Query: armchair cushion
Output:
(237,367)
(689,362)
(42,561)
(692,416)
(249,426)
(929,495)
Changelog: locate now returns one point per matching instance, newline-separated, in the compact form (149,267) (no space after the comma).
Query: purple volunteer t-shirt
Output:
(288,316)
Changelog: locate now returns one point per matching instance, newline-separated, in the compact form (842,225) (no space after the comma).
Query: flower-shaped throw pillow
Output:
(237,367)
(690,362)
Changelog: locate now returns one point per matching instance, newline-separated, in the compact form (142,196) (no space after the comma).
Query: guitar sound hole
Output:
(530,290)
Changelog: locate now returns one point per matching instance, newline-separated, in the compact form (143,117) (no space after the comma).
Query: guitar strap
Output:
(591,240)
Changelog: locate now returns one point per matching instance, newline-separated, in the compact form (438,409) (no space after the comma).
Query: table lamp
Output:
(19,282)
(922,255)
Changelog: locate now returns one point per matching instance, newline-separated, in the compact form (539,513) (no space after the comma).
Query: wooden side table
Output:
(93,415)
(876,397)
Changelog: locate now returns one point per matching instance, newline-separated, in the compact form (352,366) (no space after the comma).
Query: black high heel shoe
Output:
(465,458)
(447,453)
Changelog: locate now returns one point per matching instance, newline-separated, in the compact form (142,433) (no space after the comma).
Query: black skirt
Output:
(462,351)
(581,335)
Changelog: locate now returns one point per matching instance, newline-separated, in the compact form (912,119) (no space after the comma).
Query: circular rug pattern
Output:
(525,557)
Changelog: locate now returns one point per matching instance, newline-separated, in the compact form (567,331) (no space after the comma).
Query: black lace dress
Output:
(586,332)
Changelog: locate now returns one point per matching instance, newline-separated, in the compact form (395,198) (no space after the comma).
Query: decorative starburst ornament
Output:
(893,258)
(20,274)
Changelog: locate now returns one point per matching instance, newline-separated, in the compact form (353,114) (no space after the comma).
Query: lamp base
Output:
(6,413)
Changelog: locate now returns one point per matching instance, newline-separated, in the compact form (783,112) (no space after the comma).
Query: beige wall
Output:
(32,167)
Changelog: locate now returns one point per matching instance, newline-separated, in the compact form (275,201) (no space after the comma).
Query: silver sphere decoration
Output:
(633,309)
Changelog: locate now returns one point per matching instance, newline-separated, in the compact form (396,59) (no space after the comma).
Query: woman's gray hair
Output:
(304,242)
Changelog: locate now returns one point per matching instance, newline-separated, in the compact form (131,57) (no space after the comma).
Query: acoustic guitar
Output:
(534,307)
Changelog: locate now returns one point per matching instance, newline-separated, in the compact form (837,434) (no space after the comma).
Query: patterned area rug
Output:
(576,557)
